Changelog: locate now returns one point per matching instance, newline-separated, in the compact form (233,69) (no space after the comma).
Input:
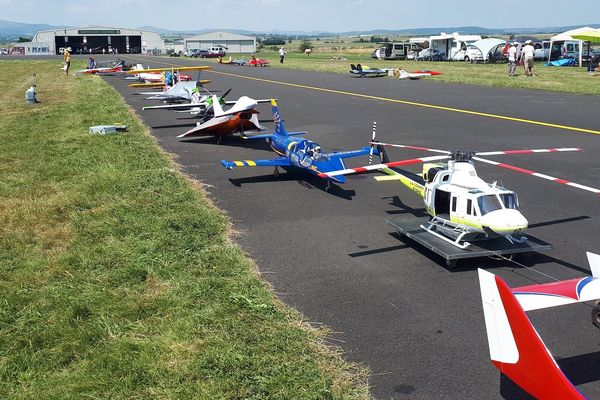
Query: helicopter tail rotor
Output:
(374,132)
(383,157)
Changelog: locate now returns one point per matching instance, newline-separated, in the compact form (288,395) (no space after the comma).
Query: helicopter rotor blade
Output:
(404,146)
(527,151)
(537,174)
(380,166)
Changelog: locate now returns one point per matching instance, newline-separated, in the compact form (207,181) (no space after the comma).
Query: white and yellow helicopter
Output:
(463,207)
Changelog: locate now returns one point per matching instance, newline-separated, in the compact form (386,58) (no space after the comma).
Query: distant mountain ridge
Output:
(15,29)
(10,28)
(469,30)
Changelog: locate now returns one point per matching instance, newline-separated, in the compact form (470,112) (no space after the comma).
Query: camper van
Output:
(398,51)
(453,45)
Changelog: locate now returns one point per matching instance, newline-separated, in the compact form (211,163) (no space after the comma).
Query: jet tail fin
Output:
(279,125)
(594,261)
(516,349)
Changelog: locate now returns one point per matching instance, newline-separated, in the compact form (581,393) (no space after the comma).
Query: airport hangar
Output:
(96,38)
(232,42)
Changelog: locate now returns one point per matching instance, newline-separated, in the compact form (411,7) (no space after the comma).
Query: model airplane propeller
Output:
(298,152)
(463,207)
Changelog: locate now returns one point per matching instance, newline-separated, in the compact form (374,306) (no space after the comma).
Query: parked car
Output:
(213,54)
(473,54)
(199,53)
(175,54)
(431,55)
(542,50)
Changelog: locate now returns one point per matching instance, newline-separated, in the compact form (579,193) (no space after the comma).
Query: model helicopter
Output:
(463,207)
(298,152)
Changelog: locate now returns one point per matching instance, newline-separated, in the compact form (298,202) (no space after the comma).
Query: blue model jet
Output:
(298,152)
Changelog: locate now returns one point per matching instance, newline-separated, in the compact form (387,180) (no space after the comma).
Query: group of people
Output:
(526,54)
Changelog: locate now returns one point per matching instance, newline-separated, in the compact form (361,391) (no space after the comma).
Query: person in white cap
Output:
(512,59)
(281,55)
(528,53)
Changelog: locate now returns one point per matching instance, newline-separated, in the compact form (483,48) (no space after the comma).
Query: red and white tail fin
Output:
(594,261)
(534,297)
(516,349)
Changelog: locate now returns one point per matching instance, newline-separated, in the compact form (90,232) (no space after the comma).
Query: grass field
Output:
(565,79)
(118,277)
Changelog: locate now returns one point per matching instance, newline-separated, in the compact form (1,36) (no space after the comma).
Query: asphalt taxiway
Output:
(392,305)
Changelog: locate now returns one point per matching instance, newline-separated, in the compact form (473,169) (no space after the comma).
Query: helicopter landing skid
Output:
(415,229)
(457,232)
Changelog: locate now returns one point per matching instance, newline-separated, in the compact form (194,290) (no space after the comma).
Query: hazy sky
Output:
(305,15)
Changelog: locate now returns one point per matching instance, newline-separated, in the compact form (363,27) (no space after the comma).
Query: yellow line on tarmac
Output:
(411,103)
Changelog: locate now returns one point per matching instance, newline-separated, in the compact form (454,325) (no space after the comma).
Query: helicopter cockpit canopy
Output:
(492,202)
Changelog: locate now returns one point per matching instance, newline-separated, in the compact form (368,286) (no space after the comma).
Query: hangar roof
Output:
(220,35)
(91,28)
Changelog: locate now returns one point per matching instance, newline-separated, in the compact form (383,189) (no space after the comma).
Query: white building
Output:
(233,42)
(96,39)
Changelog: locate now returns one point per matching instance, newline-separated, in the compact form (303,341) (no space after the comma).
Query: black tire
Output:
(596,316)
(467,59)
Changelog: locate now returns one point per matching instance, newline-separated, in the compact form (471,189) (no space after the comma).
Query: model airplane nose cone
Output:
(505,221)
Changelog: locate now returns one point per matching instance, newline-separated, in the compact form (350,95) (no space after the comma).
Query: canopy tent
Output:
(588,36)
(487,45)
(569,35)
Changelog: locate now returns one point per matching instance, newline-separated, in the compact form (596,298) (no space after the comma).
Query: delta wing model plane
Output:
(180,92)
(463,208)
(241,117)
(200,105)
(298,153)
(516,348)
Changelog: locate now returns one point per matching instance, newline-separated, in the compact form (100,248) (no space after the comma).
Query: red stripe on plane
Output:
(566,288)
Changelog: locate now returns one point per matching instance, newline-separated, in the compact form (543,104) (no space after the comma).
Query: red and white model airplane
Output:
(516,349)
(157,77)
(118,67)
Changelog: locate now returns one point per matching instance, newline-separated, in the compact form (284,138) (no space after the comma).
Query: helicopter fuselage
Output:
(456,197)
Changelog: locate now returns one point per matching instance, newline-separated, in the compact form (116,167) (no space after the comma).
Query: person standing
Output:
(512,59)
(281,55)
(528,53)
(67,59)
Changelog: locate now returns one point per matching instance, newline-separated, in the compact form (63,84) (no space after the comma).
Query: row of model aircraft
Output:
(463,208)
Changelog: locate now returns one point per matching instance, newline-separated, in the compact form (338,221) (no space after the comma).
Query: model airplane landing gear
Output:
(596,314)
(276,172)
